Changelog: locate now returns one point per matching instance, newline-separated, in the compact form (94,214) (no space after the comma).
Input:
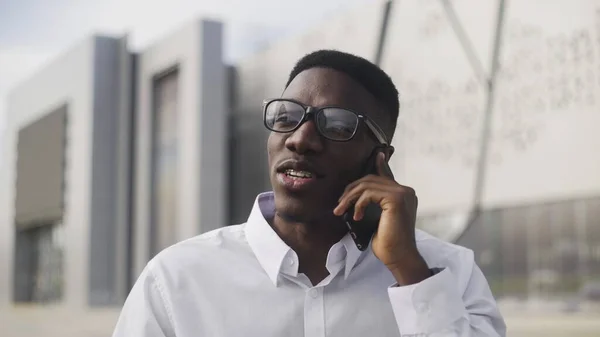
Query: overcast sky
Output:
(33,32)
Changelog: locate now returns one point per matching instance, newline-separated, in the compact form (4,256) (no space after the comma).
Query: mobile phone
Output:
(362,231)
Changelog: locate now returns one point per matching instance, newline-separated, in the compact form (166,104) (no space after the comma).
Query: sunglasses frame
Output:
(314,111)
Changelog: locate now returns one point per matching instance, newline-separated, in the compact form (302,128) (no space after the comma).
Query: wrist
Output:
(409,269)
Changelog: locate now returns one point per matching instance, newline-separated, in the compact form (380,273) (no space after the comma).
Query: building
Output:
(114,155)
(58,183)
(537,234)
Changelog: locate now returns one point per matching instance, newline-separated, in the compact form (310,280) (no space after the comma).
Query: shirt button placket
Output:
(314,313)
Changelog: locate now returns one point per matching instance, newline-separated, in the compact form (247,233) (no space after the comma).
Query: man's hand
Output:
(394,242)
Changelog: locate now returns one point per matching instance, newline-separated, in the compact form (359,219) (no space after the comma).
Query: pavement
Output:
(59,322)
(30,321)
(554,325)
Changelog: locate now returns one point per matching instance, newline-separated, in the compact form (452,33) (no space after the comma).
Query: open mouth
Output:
(297,174)
(297,180)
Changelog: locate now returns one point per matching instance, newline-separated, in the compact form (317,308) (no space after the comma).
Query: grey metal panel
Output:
(212,125)
(104,240)
(131,178)
(124,176)
(40,166)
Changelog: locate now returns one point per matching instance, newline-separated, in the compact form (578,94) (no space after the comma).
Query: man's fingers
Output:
(372,181)
(363,201)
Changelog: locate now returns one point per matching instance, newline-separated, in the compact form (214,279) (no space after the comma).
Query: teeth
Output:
(298,174)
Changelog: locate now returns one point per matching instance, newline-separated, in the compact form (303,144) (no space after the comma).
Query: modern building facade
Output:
(181,139)
(60,235)
(537,229)
(113,155)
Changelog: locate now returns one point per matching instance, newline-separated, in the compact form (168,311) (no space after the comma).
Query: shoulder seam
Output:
(213,233)
(159,287)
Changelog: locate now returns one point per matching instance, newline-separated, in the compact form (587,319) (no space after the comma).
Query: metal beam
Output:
(488,81)
(465,42)
(482,159)
(489,107)
(383,31)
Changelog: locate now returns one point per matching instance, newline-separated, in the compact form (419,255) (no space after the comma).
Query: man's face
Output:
(333,164)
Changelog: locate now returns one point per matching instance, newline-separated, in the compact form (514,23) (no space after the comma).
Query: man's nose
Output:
(305,139)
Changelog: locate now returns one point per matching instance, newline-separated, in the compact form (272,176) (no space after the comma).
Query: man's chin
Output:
(303,210)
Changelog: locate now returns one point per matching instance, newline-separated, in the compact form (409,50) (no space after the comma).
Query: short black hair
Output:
(370,76)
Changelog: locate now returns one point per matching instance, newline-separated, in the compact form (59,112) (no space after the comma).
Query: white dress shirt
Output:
(243,281)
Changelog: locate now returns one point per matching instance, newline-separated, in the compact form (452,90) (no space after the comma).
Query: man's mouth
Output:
(297,180)
(297,174)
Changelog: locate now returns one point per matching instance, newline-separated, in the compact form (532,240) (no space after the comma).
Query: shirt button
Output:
(291,261)
(313,293)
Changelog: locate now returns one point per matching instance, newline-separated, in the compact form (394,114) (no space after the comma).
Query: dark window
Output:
(39,202)
(164,161)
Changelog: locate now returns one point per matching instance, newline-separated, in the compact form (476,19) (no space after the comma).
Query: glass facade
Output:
(39,264)
(544,251)
(164,162)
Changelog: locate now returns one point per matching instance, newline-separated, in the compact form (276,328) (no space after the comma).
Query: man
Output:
(292,269)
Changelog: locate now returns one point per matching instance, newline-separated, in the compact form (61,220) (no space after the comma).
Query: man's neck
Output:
(311,241)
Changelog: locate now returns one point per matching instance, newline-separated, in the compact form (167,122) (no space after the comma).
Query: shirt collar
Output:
(273,254)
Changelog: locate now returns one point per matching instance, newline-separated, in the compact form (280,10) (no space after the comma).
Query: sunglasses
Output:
(333,123)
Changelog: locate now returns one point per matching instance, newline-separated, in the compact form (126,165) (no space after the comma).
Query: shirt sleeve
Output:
(447,304)
(145,312)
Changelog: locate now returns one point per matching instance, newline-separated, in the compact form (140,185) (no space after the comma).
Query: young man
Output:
(293,269)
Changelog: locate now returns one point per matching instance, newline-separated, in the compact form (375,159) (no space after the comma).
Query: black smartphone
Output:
(362,231)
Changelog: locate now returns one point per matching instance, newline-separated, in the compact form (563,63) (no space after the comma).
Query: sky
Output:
(33,32)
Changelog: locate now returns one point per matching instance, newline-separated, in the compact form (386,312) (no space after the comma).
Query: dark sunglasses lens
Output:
(337,124)
(283,116)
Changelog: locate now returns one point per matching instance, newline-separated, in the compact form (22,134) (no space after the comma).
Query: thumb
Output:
(383,169)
